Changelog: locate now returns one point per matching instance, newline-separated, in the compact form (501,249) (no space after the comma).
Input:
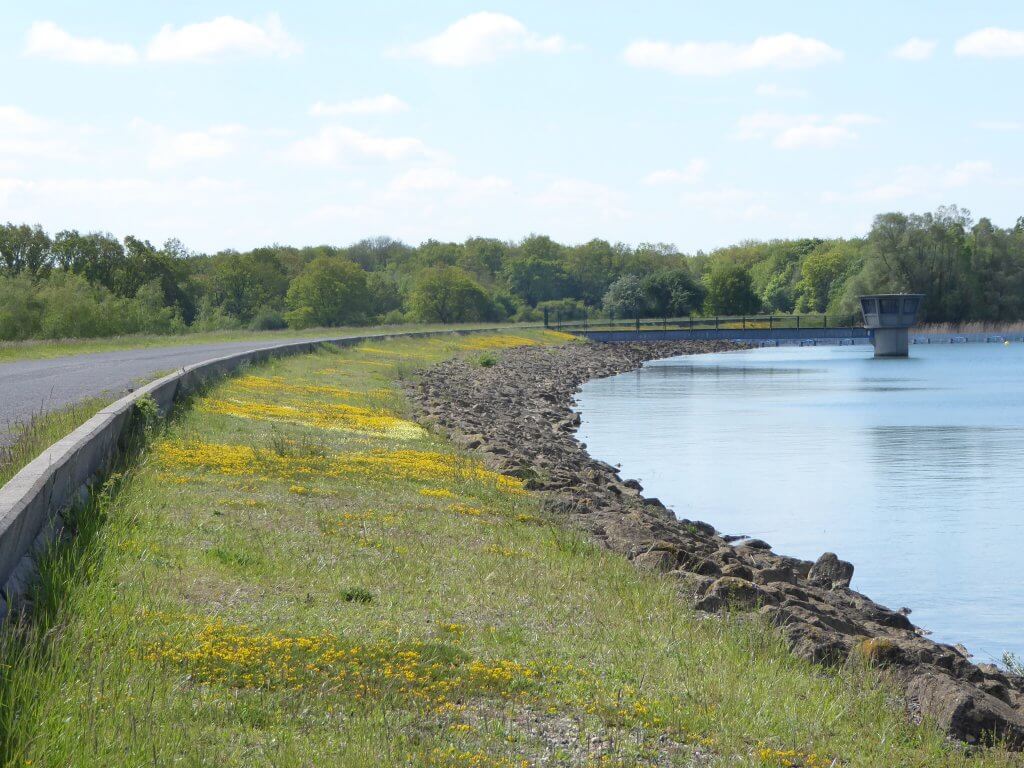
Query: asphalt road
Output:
(30,386)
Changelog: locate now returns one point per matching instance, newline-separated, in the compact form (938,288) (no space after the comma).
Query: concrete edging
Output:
(32,501)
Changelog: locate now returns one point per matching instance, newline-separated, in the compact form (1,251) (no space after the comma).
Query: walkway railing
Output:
(697,323)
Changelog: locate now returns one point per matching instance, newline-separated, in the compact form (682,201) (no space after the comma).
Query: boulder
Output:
(965,712)
(830,572)
(730,593)
(656,561)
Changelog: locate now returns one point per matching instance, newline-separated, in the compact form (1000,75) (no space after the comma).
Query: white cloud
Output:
(439,179)
(582,198)
(794,131)
(918,180)
(375,105)
(965,173)
(992,43)
(169,148)
(786,51)
(223,35)
(23,134)
(338,143)
(45,39)
(480,38)
(774,90)
(17,120)
(693,173)
(915,49)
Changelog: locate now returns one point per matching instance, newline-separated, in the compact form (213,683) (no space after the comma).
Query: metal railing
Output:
(697,323)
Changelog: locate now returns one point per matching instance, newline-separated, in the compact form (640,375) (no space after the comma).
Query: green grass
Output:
(44,349)
(280,581)
(43,430)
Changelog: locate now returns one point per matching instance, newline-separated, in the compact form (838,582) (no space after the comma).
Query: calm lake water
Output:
(911,469)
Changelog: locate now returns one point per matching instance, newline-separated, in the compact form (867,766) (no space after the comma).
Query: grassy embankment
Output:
(43,430)
(294,574)
(44,349)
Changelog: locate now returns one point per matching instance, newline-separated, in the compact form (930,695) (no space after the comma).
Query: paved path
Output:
(30,386)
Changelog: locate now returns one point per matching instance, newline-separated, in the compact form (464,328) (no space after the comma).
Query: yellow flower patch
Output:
(485,342)
(277,384)
(335,416)
(422,466)
(436,493)
(791,758)
(428,675)
(465,509)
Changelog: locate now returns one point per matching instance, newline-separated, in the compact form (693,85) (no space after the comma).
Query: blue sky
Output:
(235,124)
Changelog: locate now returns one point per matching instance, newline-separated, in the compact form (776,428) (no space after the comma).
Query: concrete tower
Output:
(889,316)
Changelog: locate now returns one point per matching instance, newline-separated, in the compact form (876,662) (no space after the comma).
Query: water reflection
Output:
(909,468)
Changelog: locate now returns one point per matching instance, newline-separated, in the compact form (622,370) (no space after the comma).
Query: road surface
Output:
(30,386)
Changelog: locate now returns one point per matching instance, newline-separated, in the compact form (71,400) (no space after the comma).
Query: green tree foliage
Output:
(67,306)
(968,270)
(822,273)
(730,291)
(244,284)
(450,295)
(625,297)
(24,248)
(672,293)
(98,257)
(535,271)
(329,291)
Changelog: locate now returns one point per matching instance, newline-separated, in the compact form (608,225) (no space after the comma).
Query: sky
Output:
(236,124)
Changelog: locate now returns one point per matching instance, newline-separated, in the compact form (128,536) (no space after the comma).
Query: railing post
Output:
(744,322)
(716,322)
(691,321)
(771,322)
(798,322)
(824,321)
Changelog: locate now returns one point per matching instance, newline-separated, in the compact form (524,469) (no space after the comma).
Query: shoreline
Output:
(518,415)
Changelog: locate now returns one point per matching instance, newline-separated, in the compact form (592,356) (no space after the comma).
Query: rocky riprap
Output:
(518,415)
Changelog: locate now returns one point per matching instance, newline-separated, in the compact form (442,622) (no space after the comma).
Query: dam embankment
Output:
(518,415)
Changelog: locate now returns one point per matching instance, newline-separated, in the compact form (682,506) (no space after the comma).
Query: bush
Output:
(564,309)
(527,314)
(268,320)
(65,305)
(329,291)
(450,295)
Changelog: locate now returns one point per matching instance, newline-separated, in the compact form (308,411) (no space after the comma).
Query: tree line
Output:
(74,284)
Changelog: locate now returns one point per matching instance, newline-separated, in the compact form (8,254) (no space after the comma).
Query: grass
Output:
(43,349)
(43,430)
(331,584)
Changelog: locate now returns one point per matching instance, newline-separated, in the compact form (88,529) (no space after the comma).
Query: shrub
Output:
(268,320)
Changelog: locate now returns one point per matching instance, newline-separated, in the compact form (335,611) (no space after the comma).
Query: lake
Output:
(910,469)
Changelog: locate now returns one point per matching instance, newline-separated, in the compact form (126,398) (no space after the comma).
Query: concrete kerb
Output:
(32,502)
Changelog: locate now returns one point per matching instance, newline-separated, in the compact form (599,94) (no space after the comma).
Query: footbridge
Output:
(765,330)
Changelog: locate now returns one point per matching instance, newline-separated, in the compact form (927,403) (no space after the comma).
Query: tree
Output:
(536,272)
(671,292)
(24,248)
(384,293)
(329,291)
(97,256)
(591,270)
(625,297)
(730,291)
(244,284)
(449,295)
(821,272)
